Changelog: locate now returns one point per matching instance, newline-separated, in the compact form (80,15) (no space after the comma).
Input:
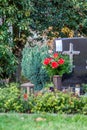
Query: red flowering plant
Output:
(57,64)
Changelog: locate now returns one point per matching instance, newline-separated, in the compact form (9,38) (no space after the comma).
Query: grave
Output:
(76,49)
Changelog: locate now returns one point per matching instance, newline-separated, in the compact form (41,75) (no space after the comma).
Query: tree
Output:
(60,14)
(67,18)
(14,29)
(32,65)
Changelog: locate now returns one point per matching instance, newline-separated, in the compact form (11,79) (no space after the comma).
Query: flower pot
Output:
(57,80)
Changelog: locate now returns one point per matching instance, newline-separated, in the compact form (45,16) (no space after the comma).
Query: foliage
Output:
(12,100)
(32,65)
(57,64)
(84,87)
(49,84)
(9,98)
(17,14)
(27,103)
(14,28)
(84,108)
(7,62)
(59,14)
(68,18)
(7,58)
(58,102)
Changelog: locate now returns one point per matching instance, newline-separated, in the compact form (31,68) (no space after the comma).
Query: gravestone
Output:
(76,49)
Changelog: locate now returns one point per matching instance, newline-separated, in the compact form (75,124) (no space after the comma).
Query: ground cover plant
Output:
(59,102)
(42,122)
(13,100)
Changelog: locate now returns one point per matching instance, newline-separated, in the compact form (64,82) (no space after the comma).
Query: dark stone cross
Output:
(71,53)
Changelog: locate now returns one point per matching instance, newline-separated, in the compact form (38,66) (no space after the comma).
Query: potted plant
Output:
(56,65)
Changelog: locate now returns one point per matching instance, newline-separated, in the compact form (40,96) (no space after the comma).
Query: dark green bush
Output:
(8,62)
(32,66)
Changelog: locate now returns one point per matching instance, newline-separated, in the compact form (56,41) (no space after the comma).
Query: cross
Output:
(71,53)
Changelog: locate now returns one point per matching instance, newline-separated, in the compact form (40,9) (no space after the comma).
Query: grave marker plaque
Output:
(76,49)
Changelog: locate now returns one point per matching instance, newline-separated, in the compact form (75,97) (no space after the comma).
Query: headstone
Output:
(76,49)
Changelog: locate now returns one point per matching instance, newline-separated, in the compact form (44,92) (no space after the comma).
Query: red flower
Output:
(61,61)
(55,55)
(47,61)
(54,64)
(25,96)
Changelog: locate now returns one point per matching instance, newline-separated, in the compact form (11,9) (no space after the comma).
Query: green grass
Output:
(49,122)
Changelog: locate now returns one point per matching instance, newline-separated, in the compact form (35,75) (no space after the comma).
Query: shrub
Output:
(32,66)
(84,87)
(8,62)
(84,108)
(27,104)
(58,103)
(9,98)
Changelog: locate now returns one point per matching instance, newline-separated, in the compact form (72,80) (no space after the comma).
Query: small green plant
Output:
(48,85)
(32,66)
(84,87)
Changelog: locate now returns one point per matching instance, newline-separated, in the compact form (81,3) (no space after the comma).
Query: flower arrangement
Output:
(57,64)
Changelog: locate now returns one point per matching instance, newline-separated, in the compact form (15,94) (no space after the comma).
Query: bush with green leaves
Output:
(59,102)
(8,62)
(10,98)
(84,87)
(84,108)
(32,66)
(60,13)
(14,29)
